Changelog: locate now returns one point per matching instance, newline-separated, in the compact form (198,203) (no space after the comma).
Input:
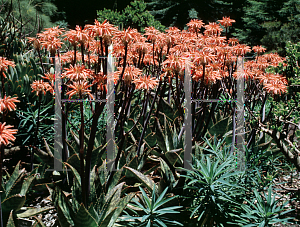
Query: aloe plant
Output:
(151,211)
(13,194)
(105,203)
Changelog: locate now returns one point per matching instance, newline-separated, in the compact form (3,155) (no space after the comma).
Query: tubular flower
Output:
(95,46)
(233,41)
(8,103)
(78,35)
(101,81)
(104,30)
(258,49)
(203,57)
(50,77)
(40,86)
(213,29)
(4,65)
(68,57)
(127,36)
(275,88)
(145,82)
(174,62)
(130,73)
(173,30)
(242,49)
(195,25)
(152,34)
(49,39)
(6,133)
(79,72)
(50,32)
(226,22)
(81,88)
(52,44)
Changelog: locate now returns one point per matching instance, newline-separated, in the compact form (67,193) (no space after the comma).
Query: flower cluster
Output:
(211,56)
(6,133)
(6,104)
(40,86)
(4,65)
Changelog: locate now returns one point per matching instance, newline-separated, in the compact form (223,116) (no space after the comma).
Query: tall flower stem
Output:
(2,84)
(124,62)
(81,154)
(176,101)
(36,131)
(98,110)
(1,165)
(82,53)
(159,101)
(1,150)
(148,118)
(40,57)
(74,62)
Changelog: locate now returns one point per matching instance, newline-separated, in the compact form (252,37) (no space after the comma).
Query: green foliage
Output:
(103,207)
(178,13)
(14,190)
(287,108)
(263,210)
(212,186)
(30,16)
(28,121)
(134,15)
(151,211)
(270,23)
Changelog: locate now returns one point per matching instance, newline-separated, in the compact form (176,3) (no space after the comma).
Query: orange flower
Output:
(127,36)
(226,22)
(174,62)
(258,49)
(79,72)
(275,88)
(50,77)
(212,29)
(8,103)
(141,47)
(233,41)
(80,88)
(152,34)
(145,82)
(67,57)
(95,46)
(50,32)
(130,73)
(6,133)
(78,35)
(267,78)
(242,49)
(195,25)
(52,44)
(40,86)
(104,30)
(101,81)
(4,65)
(49,39)
(203,57)
(172,30)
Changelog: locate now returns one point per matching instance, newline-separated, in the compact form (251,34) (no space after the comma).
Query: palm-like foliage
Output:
(151,211)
